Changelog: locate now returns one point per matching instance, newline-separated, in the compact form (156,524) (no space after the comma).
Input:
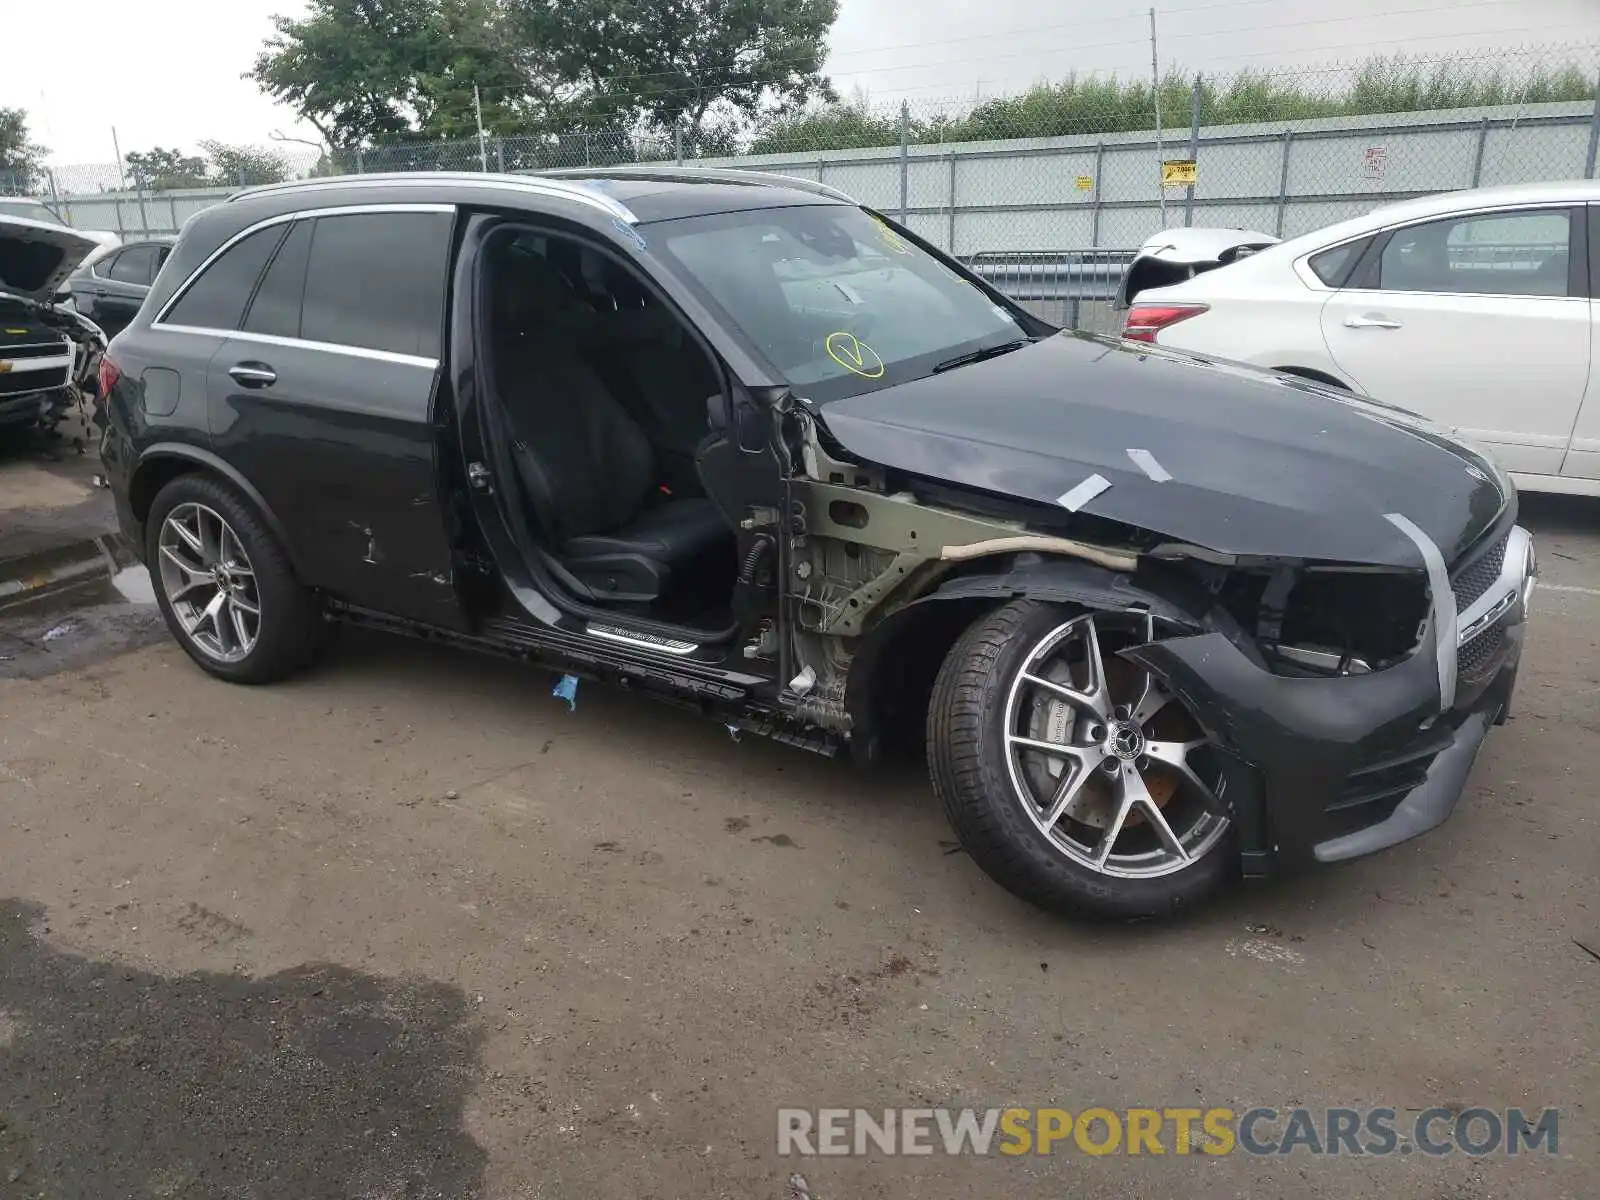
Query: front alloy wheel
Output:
(1072,775)
(209,583)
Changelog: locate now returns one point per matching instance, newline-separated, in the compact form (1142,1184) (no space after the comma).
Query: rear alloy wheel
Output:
(209,583)
(225,585)
(1072,776)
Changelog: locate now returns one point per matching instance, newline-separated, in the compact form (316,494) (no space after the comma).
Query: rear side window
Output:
(376,281)
(1499,254)
(1333,267)
(135,265)
(276,308)
(217,299)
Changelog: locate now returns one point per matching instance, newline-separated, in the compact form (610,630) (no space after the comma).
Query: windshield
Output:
(833,298)
(31,209)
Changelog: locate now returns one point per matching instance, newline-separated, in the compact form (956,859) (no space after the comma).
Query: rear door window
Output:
(217,299)
(137,265)
(1499,254)
(276,308)
(376,281)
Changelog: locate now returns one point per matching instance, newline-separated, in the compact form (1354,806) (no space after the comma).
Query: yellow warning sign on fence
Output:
(1178,172)
(1086,183)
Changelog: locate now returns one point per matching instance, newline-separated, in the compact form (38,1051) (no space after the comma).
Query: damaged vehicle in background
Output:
(49,354)
(1176,255)
(736,441)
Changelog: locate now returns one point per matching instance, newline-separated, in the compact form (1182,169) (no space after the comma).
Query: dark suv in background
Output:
(737,441)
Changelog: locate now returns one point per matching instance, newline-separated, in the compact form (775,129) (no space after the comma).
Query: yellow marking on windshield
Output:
(854,355)
(891,239)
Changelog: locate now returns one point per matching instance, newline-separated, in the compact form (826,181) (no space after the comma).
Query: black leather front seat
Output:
(590,476)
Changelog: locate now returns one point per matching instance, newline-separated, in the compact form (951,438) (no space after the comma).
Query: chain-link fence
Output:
(1025,180)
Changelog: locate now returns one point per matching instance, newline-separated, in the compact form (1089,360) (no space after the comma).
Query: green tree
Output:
(365,71)
(472,49)
(162,170)
(244,165)
(21,159)
(671,62)
(349,67)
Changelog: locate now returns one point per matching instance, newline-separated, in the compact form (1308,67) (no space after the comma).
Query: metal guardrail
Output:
(1070,287)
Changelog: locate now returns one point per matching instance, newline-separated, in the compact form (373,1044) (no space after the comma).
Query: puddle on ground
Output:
(70,627)
(133,584)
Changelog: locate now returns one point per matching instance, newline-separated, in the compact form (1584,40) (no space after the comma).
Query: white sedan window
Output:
(1502,254)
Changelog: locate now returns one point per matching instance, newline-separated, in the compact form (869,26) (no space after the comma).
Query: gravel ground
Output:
(406,927)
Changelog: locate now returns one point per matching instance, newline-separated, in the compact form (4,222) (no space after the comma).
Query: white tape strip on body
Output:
(1444,604)
(1147,463)
(1086,491)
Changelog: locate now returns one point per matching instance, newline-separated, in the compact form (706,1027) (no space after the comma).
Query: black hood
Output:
(1260,464)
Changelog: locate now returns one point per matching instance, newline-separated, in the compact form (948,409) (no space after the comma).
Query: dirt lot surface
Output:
(407,927)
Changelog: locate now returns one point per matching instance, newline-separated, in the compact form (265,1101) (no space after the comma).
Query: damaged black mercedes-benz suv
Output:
(738,441)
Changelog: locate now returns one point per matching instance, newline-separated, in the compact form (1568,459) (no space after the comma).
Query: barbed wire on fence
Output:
(1072,164)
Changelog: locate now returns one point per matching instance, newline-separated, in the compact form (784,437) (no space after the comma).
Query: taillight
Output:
(1147,320)
(109,374)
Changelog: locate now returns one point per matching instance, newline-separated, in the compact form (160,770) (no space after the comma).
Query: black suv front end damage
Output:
(1346,664)
(1337,766)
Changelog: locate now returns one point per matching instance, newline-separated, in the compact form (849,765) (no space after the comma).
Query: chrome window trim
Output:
(1302,265)
(1303,271)
(269,339)
(556,188)
(282,218)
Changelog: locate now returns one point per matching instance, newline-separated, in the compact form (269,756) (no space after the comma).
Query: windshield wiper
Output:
(973,356)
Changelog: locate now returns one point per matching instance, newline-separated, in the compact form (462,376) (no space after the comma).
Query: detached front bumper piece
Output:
(1334,768)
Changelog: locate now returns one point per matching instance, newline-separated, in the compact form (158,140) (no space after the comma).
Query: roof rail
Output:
(669,173)
(471,179)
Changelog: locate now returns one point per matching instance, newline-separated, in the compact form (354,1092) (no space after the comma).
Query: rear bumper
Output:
(116,455)
(1328,769)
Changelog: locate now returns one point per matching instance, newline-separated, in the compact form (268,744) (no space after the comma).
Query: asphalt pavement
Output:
(407,927)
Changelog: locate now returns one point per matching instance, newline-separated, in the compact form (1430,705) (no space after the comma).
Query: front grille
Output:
(1472,657)
(1477,577)
(20,383)
(34,350)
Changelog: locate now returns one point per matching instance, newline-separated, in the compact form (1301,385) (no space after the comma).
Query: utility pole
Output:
(483,141)
(1155,82)
(122,180)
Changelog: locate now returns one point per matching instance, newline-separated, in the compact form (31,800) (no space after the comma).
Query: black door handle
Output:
(253,374)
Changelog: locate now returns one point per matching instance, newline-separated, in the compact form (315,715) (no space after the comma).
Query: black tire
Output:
(967,761)
(291,620)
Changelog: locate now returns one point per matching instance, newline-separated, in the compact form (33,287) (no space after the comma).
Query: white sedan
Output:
(1480,310)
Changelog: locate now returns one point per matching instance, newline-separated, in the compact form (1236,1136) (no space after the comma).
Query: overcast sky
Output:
(167,72)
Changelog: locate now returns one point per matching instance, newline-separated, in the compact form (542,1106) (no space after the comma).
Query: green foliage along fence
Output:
(1092,105)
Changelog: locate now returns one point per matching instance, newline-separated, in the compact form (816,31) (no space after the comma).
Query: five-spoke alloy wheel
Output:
(1072,775)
